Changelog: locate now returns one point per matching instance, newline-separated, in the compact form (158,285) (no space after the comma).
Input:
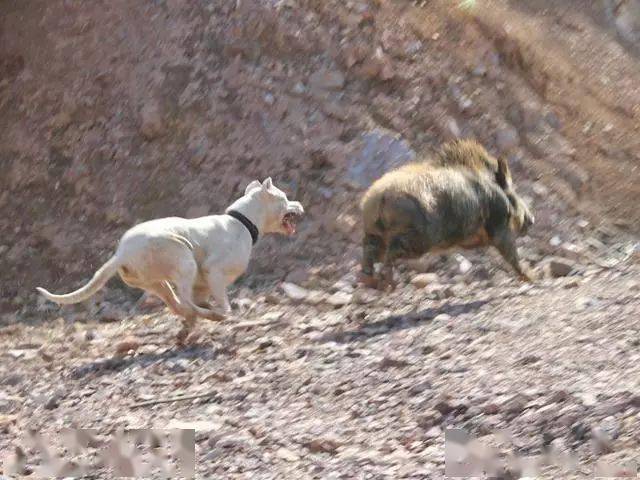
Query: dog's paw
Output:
(181,337)
(188,339)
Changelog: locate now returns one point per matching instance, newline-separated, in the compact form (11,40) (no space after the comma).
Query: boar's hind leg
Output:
(403,246)
(372,252)
(406,245)
(504,241)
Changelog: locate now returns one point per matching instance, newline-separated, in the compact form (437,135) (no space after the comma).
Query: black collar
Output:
(253,230)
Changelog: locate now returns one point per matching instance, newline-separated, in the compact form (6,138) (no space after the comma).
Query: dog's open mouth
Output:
(289,222)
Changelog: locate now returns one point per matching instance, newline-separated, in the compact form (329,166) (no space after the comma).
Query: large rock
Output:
(625,16)
(379,151)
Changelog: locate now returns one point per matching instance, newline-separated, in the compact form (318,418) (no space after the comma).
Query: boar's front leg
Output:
(504,240)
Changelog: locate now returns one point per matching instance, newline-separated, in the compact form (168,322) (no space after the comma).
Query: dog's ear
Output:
(251,186)
(267,184)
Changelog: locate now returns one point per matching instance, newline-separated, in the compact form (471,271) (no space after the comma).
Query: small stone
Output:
(299,88)
(491,409)
(315,297)
(464,265)
(294,292)
(364,296)
(602,442)
(151,122)
(480,70)
(582,223)
(580,431)
(340,299)
(559,267)
(388,362)
(52,403)
(434,432)
(571,283)
(287,455)
(507,139)
(413,48)
(12,380)
(559,396)
(424,279)
(347,225)
(269,99)
(127,345)
(528,360)
(453,128)
(514,405)
(553,120)
(272,299)
(298,276)
(327,80)
(61,121)
(583,303)
(445,407)
(323,445)
(540,190)
(419,388)
(588,399)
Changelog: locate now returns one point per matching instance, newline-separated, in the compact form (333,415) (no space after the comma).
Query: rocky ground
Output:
(350,385)
(112,113)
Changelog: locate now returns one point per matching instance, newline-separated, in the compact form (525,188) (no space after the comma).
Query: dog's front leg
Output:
(218,289)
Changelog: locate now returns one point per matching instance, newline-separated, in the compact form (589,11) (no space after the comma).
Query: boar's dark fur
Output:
(463,197)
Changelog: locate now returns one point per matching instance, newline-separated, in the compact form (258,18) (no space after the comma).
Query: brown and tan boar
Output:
(464,197)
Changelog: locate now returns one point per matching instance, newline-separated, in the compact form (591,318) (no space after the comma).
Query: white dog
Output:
(187,261)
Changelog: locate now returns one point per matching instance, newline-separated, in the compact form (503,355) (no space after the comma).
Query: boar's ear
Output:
(251,186)
(503,175)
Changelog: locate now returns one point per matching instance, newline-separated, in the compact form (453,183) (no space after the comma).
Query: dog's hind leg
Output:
(201,296)
(185,278)
(164,291)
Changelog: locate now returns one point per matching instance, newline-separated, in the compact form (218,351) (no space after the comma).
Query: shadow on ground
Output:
(400,322)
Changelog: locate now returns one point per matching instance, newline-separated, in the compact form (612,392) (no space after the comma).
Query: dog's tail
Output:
(98,281)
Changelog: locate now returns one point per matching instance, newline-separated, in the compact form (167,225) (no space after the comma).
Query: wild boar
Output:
(463,197)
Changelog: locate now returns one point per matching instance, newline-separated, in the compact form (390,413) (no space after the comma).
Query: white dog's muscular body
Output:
(185,262)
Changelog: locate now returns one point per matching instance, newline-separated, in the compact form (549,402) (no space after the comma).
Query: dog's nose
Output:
(296,207)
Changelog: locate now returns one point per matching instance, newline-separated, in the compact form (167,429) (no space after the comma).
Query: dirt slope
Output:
(113,112)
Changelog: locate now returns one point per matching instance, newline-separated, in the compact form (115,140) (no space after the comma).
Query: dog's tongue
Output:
(289,223)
